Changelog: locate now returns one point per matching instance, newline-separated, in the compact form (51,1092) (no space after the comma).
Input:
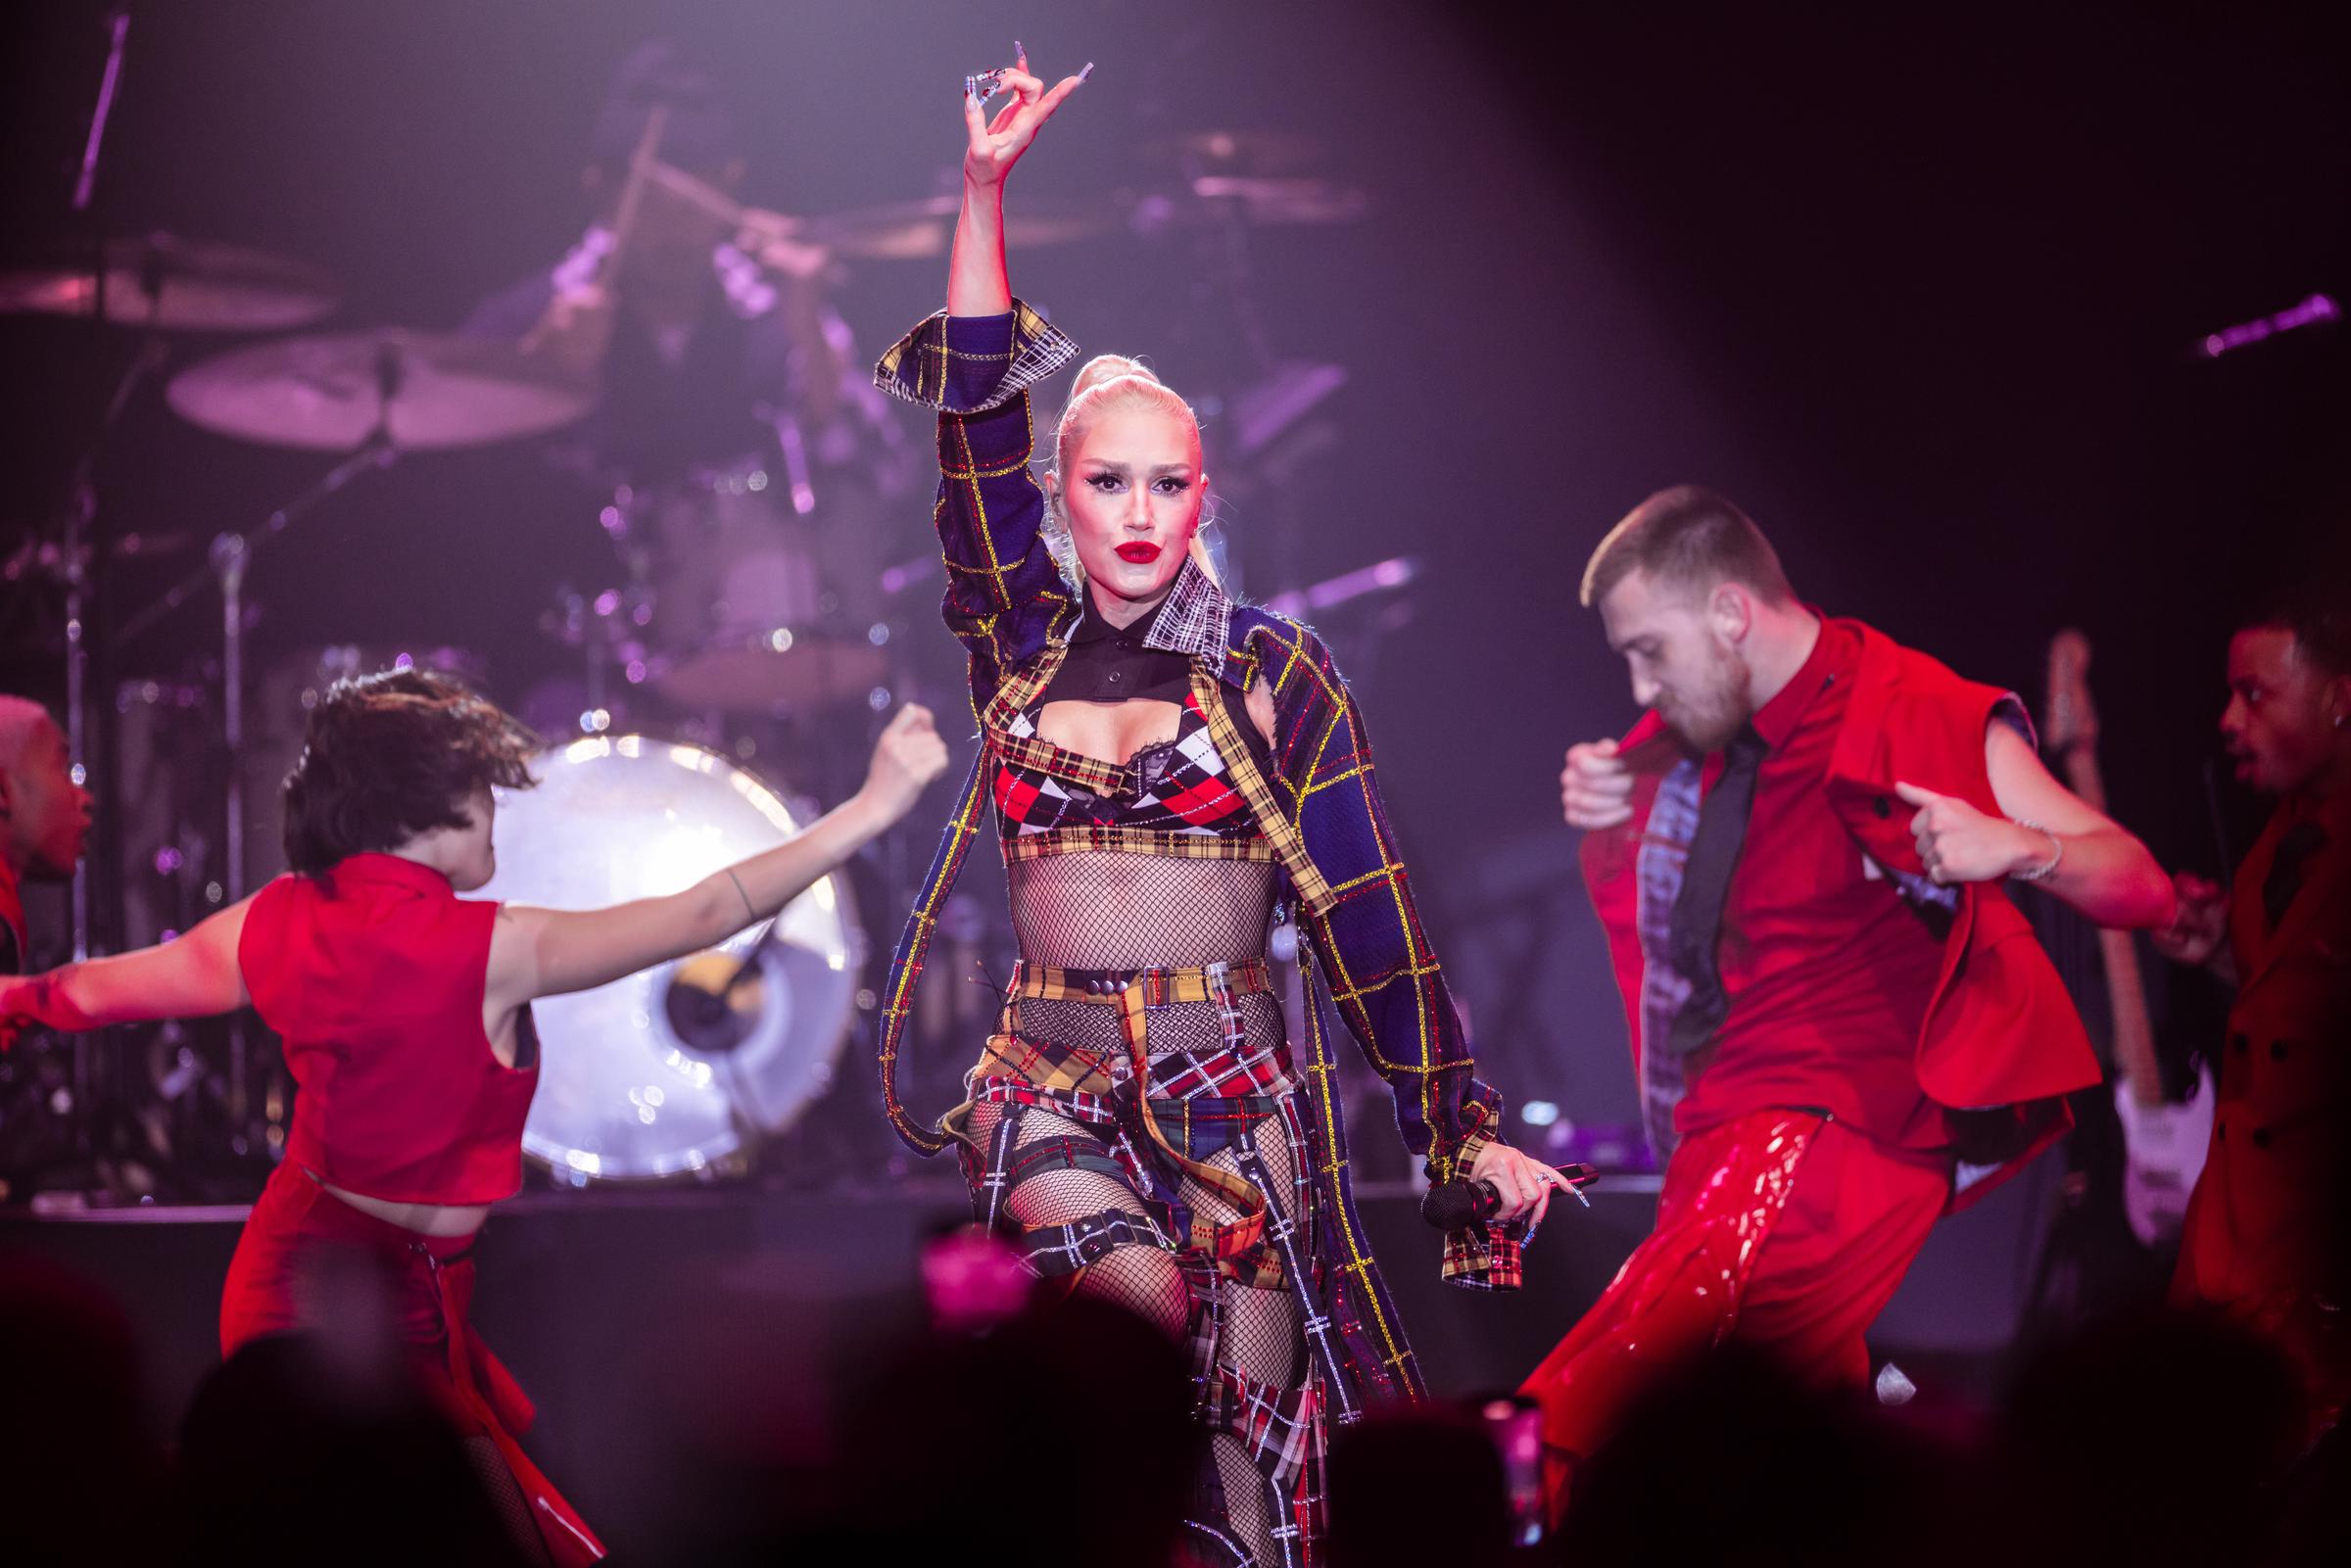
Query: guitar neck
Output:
(2125,988)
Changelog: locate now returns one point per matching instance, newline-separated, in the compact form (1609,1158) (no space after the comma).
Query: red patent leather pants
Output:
(1780,1229)
(296,1224)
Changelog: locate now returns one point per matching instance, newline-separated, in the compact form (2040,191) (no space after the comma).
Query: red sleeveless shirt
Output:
(375,974)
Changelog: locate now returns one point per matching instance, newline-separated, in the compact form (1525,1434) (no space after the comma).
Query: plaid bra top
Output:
(1175,797)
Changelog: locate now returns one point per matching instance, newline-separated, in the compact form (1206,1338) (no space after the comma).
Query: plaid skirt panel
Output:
(1176,1128)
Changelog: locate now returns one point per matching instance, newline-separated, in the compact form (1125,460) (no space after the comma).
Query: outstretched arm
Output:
(546,952)
(2100,868)
(975,363)
(190,977)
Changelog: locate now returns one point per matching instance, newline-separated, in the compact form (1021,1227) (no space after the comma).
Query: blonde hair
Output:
(1109,381)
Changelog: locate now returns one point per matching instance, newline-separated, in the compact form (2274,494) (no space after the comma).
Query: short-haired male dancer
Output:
(2268,1237)
(1841,1027)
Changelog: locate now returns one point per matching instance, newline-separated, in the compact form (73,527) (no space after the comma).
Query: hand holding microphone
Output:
(1503,1184)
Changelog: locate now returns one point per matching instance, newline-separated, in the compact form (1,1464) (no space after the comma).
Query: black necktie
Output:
(2284,880)
(1705,883)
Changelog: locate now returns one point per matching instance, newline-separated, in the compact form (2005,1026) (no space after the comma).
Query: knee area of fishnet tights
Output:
(1144,1280)
(1262,1338)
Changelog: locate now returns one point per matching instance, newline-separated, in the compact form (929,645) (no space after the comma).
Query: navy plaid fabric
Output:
(1366,957)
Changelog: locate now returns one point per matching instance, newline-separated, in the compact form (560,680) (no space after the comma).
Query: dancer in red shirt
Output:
(405,1012)
(1841,1027)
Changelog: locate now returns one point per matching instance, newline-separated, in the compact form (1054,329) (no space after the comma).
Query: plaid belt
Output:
(1159,988)
(1065,1074)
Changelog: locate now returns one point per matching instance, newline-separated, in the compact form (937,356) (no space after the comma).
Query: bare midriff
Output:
(425,1219)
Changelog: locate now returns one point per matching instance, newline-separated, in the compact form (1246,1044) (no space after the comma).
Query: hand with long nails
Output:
(997,145)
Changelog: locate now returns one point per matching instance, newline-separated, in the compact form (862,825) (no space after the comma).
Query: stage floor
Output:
(632,1316)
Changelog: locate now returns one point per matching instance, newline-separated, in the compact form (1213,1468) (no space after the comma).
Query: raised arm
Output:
(190,977)
(976,283)
(546,952)
(975,363)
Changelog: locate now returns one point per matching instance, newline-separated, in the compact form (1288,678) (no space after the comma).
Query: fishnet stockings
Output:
(1142,1279)
(1262,1340)
(1111,908)
(506,1500)
(1260,1337)
(1114,909)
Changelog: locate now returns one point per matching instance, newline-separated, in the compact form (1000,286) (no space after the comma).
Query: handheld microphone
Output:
(1461,1203)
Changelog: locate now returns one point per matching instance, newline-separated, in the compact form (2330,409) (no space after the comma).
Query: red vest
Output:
(2001,1038)
(2267,1215)
(374,975)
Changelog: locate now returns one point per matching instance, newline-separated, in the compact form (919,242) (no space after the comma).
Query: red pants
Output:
(1781,1230)
(298,1226)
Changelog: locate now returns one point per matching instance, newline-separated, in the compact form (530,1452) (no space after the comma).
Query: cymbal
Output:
(921,230)
(162,280)
(331,392)
(1284,201)
(1260,151)
(1214,201)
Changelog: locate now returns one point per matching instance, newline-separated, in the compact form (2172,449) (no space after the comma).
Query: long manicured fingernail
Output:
(1017,53)
(1087,71)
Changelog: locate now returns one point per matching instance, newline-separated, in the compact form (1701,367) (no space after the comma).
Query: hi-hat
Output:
(333,392)
(160,280)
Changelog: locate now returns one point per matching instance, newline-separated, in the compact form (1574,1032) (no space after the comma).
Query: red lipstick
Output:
(1141,553)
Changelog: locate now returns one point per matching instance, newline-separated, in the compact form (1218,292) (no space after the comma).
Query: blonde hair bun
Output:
(1109,368)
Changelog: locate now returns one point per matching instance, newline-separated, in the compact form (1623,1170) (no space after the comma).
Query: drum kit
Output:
(736,610)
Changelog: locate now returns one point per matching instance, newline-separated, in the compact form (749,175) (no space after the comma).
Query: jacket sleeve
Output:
(1382,971)
(1003,586)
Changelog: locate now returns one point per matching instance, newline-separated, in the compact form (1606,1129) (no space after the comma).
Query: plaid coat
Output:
(1364,952)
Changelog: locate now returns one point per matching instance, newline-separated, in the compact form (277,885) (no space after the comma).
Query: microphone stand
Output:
(226,563)
(80,527)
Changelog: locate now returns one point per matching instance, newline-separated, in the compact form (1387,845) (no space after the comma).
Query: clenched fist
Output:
(2200,926)
(908,755)
(1596,787)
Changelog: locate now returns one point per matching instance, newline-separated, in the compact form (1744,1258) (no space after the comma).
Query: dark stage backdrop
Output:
(1920,293)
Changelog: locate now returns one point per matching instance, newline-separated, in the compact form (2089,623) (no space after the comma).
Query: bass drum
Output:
(621,1096)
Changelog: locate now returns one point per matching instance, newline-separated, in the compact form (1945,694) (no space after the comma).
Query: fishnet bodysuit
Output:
(1122,910)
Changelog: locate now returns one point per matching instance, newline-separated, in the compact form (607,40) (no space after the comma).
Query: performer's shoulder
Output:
(1255,623)
(1910,673)
(1284,648)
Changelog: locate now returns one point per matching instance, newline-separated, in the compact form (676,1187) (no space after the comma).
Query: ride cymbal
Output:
(332,392)
(164,281)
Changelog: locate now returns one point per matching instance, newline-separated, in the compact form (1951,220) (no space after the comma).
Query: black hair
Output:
(392,755)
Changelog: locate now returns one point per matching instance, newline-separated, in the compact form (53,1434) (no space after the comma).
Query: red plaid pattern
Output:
(1226,1074)
(1175,790)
